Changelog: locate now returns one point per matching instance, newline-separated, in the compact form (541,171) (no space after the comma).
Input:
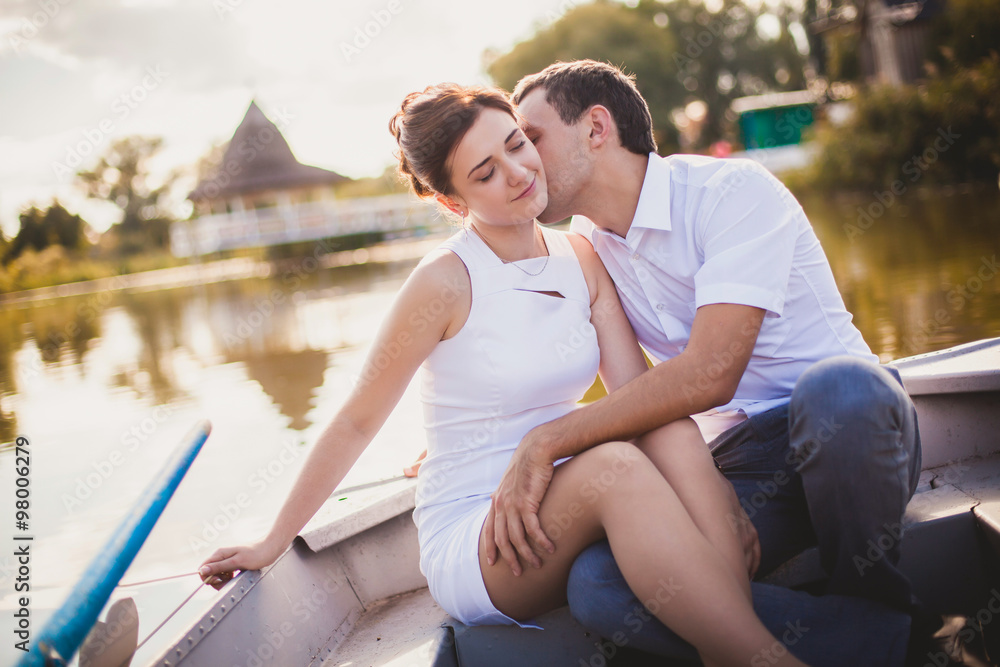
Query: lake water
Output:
(105,385)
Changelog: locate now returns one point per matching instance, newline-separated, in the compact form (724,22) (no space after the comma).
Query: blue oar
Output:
(68,627)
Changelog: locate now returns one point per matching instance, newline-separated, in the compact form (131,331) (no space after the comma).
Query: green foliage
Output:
(121,176)
(897,133)
(388,183)
(55,266)
(967,32)
(841,49)
(40,229)
(678,51)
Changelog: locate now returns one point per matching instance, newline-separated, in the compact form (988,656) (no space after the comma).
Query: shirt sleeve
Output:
(746,230)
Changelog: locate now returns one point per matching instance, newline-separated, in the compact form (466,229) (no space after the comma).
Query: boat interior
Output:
(349,590)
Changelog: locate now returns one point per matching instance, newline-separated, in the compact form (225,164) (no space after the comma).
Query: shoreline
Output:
(222,270)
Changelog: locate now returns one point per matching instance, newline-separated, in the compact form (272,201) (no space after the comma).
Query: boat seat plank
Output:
(395,632)
(344,516)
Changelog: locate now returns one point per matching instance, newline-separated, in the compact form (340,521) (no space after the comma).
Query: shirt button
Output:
(660,306)
(635,257)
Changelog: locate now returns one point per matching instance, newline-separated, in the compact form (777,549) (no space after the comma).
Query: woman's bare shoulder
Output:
(593,268)
(440,269)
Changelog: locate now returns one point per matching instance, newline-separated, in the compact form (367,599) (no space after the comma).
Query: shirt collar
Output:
(653,209)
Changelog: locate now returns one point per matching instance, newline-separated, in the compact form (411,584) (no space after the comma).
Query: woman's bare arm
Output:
(406,337)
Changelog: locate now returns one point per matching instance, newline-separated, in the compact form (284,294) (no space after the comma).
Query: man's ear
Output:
(454,206)
(602,125)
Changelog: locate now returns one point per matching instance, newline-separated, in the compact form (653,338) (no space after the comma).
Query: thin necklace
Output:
(505,261)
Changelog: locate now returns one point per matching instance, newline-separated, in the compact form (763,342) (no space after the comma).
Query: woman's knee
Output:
(681,432)
(609,462)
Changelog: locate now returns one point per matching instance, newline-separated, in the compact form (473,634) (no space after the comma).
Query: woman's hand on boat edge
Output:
(222,565)
(513,517)
(412,469)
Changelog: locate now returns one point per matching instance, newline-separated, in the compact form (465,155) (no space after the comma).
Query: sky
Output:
(77,74)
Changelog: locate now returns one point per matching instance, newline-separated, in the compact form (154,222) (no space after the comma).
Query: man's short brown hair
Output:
(572,88)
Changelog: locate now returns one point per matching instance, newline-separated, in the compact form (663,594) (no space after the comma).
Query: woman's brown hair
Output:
(429,125)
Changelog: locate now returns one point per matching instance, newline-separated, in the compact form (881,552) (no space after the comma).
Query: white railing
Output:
(300,222)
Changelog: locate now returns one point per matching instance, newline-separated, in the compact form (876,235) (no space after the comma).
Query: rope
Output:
(338,492)
(153,581)
(170,616)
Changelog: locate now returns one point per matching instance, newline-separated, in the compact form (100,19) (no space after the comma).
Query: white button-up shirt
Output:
(710,230)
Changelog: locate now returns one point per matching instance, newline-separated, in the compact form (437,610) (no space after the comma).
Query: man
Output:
(727,287)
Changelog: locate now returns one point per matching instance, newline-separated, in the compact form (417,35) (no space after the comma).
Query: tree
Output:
(121,176)
(679,52)
(967,33)
(41,229)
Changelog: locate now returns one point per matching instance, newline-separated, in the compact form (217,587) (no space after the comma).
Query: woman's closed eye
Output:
(512,149)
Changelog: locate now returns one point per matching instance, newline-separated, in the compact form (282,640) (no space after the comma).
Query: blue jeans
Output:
(835,467)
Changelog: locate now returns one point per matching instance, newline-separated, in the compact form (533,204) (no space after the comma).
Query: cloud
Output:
(186,38)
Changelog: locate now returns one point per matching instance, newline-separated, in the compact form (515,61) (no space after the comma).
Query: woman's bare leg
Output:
(615,490)
(680,454)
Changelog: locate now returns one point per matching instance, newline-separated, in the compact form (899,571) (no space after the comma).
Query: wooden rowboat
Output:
(349,591)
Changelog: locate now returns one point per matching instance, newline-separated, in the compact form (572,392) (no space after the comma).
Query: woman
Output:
(510,322)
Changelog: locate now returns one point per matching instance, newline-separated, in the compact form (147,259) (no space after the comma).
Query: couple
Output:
(526,499)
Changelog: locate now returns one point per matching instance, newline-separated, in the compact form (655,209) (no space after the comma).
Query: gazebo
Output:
(259,170)
(260,195)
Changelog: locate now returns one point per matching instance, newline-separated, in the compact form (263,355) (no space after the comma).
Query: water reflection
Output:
(918,275)
(268,359)
(922,275)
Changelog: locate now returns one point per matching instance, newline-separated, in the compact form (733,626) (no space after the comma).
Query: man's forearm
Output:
(669,391)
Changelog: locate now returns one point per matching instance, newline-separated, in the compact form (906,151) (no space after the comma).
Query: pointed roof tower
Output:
(263,162)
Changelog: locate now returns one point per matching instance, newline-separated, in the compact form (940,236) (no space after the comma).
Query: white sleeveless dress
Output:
(523,358)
